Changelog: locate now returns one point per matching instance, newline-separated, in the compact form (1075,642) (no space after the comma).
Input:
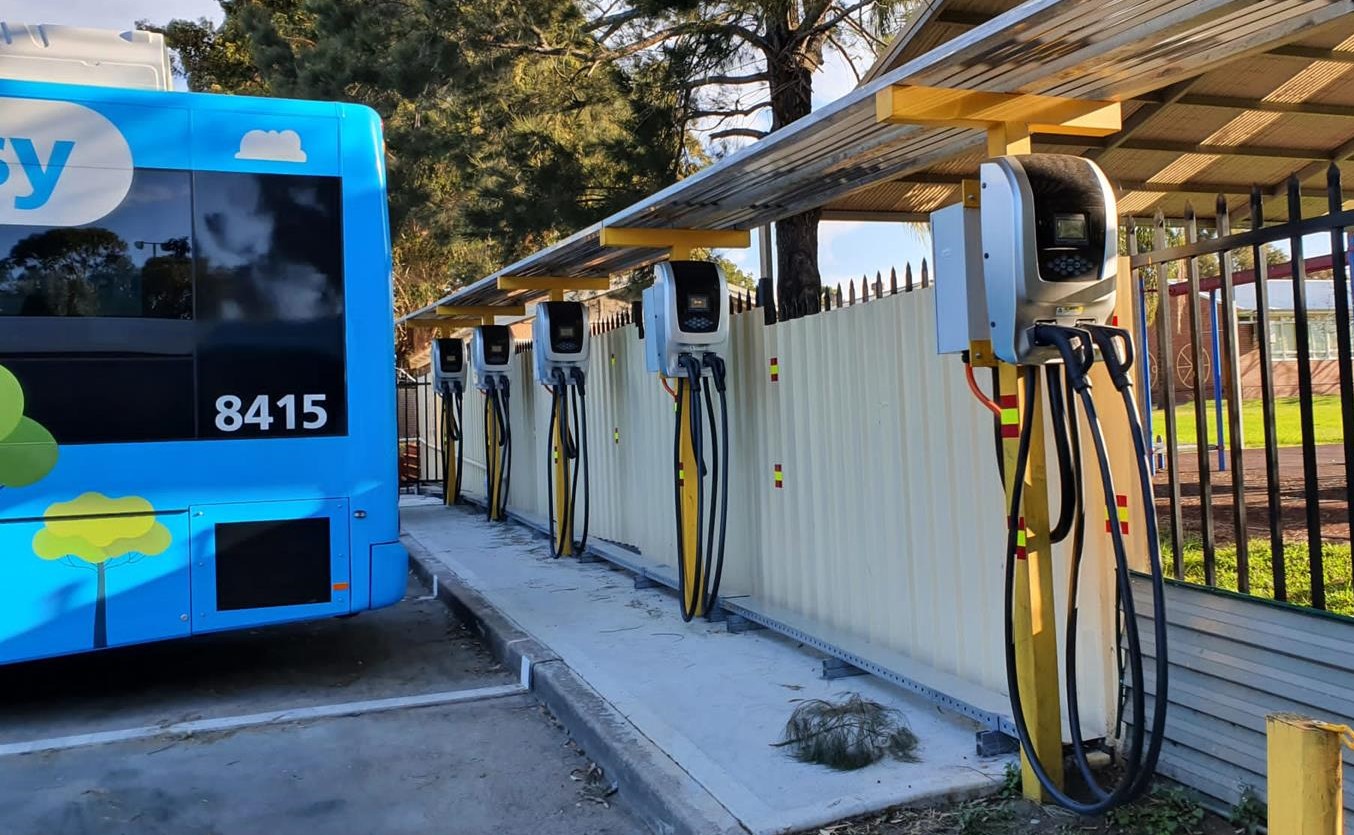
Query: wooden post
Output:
(448,454)
(495,477)
(1035,622)
(690,478)
(1305,793)
(564,524)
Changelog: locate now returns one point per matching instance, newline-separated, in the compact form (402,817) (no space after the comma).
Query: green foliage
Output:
(1250,813)
(1297,572)
(1166,811)
(1326,422)
(1012,781)
(503,129)
(983,819)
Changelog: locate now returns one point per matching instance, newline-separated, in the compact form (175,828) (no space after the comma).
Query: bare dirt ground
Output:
(1292,494)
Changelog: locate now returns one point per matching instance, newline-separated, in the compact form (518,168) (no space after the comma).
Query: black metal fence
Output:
(417,406)
(1272,518)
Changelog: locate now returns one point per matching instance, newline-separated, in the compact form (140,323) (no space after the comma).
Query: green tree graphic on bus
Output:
(96,532)
(27,450)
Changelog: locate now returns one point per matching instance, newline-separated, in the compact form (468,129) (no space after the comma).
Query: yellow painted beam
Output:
(679,242)
(1008,138)
(481,310)
(910,104)
(550,282)
(1304,777)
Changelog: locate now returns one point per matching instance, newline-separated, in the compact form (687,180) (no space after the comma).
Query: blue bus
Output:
(196,366)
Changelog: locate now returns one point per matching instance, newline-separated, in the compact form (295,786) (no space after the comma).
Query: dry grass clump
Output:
(847,735)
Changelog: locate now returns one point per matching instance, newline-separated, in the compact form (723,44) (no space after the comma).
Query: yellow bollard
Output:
(1306,796)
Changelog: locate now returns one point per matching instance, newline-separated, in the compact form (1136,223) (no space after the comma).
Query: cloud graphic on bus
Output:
(272,146)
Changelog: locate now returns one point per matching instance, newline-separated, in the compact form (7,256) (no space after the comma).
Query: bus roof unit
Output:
(75,55)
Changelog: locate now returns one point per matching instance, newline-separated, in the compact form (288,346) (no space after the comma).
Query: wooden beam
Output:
(960,17)
(444,322)
(1208,188)
(1144,114)
(875,217)
(678,242)
(551,282)
(482,310)
(1314,53)
(909,104)
(1100,146)
(1237,103)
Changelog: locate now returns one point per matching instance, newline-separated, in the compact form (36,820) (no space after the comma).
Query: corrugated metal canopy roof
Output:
(1133,51)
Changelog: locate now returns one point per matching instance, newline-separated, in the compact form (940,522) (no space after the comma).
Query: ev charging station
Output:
(491,352)
(686,313)
(449,372)
(1038,261)
(560,357)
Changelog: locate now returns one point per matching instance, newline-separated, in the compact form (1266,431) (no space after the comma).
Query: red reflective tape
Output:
(1010,430)
(1009,401)
(1121,500)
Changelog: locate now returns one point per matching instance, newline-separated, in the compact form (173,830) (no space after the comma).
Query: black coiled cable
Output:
(496,409)
(452,413)
(1075,346)
(707,567)
(568,396)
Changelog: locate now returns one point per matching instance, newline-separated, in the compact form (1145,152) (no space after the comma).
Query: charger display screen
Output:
(698,302)
(566,331)
(1070,229)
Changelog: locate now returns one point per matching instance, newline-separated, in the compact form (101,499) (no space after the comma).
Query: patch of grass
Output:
(1166,811)
(1250,814)
(1287,422)
(1335,562)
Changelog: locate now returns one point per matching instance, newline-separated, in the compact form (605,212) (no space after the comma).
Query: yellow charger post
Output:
(688,473)
(564,530)
(491,443)
(1009,120)
(697,588)
(560,340)
(491,359)
(1035,622)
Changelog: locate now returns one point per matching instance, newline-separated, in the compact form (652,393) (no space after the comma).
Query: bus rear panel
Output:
(196,378)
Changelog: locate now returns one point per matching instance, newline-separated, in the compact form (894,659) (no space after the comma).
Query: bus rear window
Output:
(207,305)
(133,263)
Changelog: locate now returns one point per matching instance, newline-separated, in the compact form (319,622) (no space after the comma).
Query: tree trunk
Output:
(101,610)
(798,283)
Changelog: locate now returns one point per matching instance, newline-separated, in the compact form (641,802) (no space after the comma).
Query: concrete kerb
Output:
(658,790)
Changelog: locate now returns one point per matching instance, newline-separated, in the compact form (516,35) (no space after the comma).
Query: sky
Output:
(847,250)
